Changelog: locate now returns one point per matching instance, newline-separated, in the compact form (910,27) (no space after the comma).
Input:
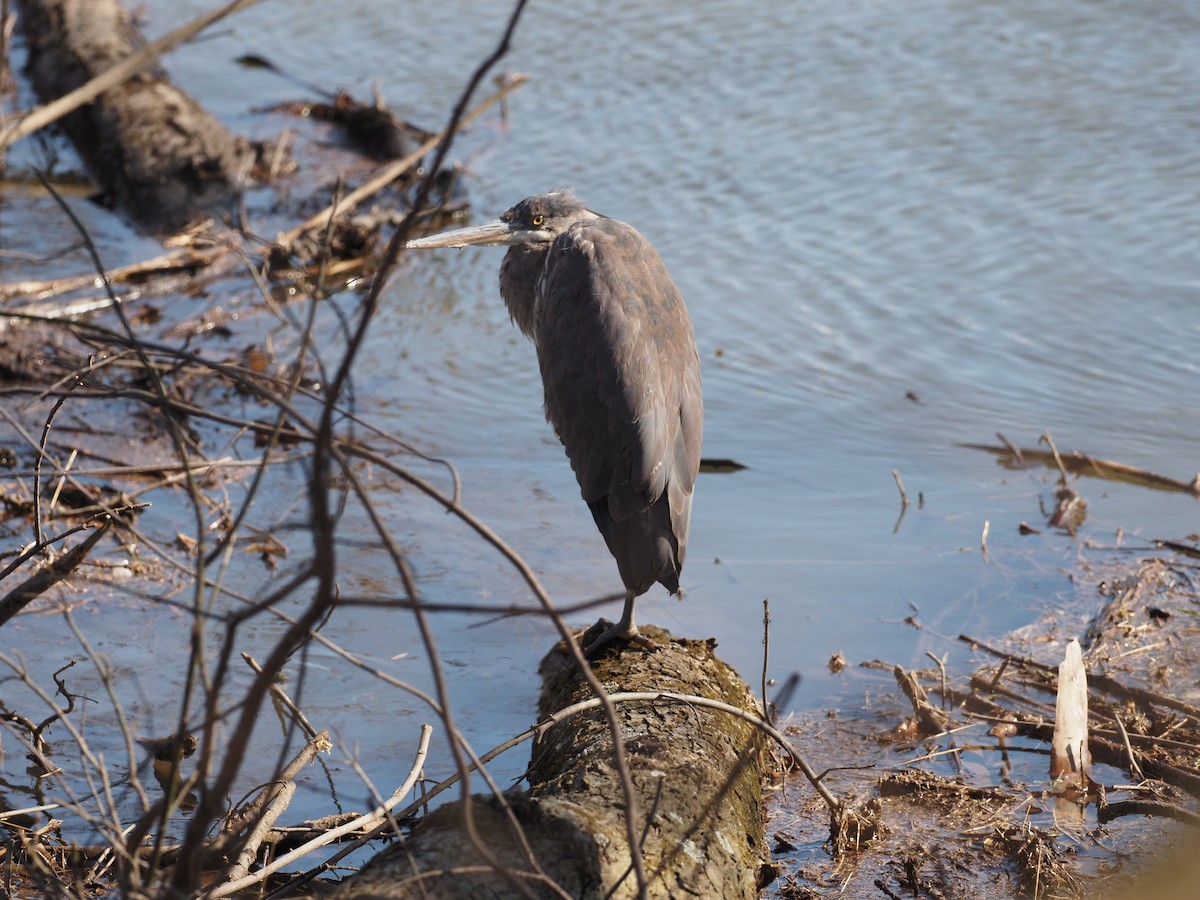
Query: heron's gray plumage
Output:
(620,371)
(622,386)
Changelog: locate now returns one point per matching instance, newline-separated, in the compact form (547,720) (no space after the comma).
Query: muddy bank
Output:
(953,768)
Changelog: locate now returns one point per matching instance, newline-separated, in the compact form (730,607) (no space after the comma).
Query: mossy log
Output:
(697,775)
(151,149)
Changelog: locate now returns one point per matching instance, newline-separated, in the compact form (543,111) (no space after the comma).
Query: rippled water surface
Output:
(898,227)
(991,206)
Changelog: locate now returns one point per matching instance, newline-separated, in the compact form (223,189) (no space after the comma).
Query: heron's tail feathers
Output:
(648,544)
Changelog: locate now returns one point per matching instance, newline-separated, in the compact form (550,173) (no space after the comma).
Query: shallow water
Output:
(990,206)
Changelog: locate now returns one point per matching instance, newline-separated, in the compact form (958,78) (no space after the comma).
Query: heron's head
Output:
(535,220)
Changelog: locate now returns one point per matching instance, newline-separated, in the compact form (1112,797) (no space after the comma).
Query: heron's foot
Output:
(605,632)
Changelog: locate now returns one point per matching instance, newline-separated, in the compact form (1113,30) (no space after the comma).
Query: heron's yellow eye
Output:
(538,220)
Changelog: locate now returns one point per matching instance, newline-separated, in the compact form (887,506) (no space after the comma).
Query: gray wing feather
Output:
(622,389)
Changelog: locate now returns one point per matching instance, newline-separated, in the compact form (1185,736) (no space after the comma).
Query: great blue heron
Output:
(620,371)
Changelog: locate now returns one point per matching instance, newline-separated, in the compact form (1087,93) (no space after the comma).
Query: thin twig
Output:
(185,259)
(766,643)
(1047,439)
(37,465)
(1082,463)
(941,664)
(281,695)
(1012,448)
(105,672)
(1134,768)
(1105,683)
(101,795)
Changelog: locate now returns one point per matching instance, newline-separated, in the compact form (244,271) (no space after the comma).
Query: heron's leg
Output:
(624,630)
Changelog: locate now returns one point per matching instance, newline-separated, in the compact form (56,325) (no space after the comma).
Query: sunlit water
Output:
(991,206)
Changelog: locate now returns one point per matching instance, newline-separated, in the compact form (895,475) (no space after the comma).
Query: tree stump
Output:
(697,775)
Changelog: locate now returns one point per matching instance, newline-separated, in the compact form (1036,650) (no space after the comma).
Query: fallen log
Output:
(697,775)
(152,150)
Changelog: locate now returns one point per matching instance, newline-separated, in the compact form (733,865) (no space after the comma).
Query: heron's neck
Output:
(519,274)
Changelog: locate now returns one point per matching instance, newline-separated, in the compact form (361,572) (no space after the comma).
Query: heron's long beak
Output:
(496,232)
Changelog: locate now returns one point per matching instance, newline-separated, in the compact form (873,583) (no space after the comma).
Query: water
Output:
(990,206)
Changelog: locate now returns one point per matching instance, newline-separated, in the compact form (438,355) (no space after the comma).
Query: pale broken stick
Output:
(1070,761)
(365,821)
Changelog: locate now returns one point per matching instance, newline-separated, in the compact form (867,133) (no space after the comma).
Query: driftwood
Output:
(697,774)
(1077,462)
(152,150)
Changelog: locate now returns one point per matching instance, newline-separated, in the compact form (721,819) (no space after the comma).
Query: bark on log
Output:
(152,150)
(697,774)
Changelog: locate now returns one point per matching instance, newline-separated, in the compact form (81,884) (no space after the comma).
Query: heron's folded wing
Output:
(619,366)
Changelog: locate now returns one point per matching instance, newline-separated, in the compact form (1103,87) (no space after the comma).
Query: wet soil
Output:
(965,809)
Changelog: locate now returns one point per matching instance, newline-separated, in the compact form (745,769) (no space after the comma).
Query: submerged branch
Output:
(1079,463)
